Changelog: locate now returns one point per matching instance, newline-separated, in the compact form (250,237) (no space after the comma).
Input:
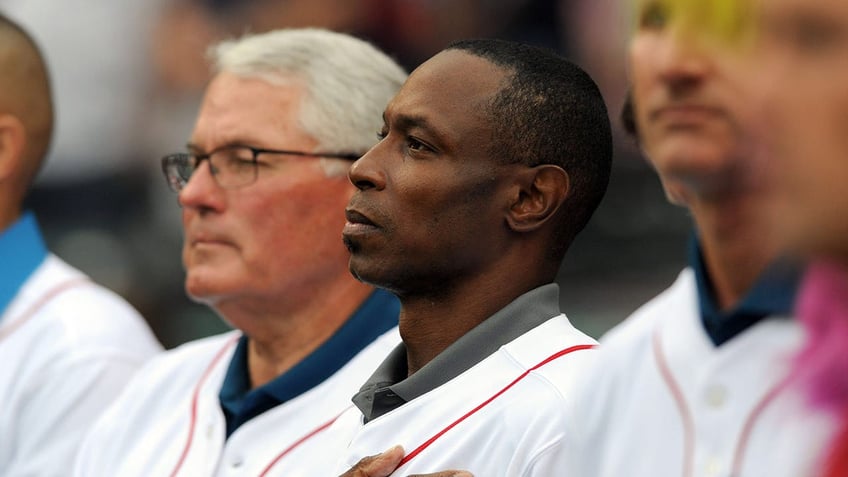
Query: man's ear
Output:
(542,191)
(12,140)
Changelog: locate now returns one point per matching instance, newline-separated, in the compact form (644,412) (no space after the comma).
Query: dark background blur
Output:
(128,77)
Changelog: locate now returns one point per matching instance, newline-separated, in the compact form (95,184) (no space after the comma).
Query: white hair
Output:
(348,81)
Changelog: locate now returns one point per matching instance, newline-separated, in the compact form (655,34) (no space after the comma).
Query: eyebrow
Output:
(405,122)
(196,148)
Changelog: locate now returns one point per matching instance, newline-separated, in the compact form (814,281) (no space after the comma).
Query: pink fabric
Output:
(822,365)
(822,307)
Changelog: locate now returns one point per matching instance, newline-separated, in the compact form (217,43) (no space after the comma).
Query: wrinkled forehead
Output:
(728,21)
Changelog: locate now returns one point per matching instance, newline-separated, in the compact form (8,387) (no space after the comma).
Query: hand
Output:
(382,465)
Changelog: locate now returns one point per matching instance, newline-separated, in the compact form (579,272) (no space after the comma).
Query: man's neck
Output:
(283,334)
(736,245)
(428,324)
(428,327)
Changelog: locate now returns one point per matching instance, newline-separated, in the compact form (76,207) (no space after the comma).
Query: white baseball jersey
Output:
(502,417)
(67,348)
(169,420)
(663,400)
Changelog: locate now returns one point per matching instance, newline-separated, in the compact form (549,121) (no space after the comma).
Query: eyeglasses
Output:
(231,166)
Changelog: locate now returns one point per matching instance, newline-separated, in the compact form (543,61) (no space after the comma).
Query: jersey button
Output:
(713,467)
(716,396)
(236,462)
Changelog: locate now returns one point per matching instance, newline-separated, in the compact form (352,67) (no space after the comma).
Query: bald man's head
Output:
(24,95)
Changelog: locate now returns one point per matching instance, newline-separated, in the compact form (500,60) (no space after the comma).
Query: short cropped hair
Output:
(348,81)
(550,111)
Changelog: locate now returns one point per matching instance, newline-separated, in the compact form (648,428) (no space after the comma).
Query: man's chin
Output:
(365,271)
(202,299)
(202,290)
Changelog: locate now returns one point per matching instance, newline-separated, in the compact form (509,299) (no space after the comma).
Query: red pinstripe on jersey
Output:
(300,441)
(523,375)
(33,309)
(194,398)
(193,420)
(680,401)
(739,455)
(689,422)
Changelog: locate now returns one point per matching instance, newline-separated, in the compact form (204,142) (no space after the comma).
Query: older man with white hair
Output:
(263,186)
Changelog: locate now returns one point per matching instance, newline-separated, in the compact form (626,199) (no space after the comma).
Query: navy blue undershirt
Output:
(772,294)
(378,314)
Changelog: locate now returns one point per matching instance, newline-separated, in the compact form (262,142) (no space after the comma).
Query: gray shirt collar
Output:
(389,387)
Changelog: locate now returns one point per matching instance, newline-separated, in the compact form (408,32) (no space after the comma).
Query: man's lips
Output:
(203,239)
(358,218)
(684,113)
(357,223)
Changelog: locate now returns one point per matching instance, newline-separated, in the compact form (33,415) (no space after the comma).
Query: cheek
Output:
(188,216)
(261,226)
(812,173)
(822,165)
(823,120)
(319,208)
(455,217)
(814,138)
(301,222)
(839,124)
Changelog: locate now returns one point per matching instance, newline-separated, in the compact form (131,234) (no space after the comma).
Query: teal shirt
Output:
(22,250)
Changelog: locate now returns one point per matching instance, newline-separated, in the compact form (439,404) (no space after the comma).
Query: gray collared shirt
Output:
(390,387)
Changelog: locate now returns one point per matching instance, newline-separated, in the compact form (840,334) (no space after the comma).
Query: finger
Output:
(446,473)
(380,465)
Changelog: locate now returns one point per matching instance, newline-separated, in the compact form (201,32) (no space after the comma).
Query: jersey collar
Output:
(377,315)
(773,294)
(22,250)
(390,387)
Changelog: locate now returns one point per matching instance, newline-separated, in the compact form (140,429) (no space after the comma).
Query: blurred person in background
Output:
(67,345)
(805,70)
(93,192)
(700,373)
(263,188)
(636,228)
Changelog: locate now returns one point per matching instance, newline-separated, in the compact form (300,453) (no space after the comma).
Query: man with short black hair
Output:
(493,157)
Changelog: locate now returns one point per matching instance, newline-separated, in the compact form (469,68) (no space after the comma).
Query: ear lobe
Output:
(12,139)
(542,192)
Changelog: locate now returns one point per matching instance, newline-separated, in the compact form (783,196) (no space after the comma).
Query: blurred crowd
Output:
(128,77)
